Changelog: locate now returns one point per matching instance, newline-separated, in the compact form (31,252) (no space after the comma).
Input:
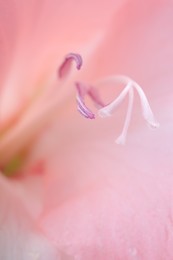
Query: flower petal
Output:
(107,201)
(20,238)
(139,45)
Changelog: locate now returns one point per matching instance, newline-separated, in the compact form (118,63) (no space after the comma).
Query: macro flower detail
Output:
(66,190)
(108,109)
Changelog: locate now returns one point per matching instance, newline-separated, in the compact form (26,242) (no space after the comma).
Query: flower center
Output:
(39,114)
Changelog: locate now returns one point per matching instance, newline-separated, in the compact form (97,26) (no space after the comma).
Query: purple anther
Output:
(64,69)
(82,108)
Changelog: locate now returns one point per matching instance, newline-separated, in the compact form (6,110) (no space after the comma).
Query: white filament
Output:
(129,89)
(122,138)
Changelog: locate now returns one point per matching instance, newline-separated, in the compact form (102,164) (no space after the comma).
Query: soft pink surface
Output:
(36,35)
(97,200)
(20,238)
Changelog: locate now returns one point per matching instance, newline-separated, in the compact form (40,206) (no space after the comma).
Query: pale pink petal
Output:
(139,45)
(20,238)
(108,202)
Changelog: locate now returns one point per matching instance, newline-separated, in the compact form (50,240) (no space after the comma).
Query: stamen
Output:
(108,109)
(146,109)
(65,67)
(122,138)
(82,108)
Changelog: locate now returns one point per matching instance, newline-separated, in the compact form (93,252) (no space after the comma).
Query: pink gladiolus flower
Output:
(75,76)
